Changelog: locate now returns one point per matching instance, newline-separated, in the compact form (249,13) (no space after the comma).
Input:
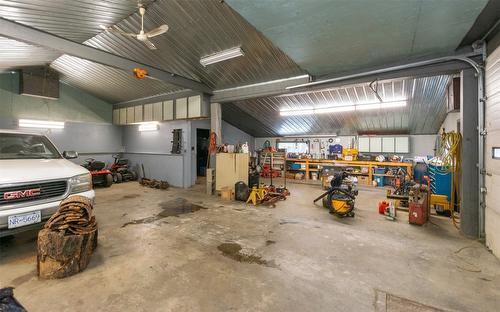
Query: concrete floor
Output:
(303,259)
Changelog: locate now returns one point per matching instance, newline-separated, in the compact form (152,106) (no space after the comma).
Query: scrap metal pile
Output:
(75,216)
(152,183)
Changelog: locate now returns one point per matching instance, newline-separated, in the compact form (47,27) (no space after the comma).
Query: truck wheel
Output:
(118,178)
(109,180)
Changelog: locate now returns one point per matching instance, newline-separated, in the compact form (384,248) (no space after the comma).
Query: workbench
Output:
(315,165)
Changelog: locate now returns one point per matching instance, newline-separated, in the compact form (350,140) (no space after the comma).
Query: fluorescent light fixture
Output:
(221,56)
(297,112)
(382,105)
(148,126)
(43,124)
(345,108)
(334,109)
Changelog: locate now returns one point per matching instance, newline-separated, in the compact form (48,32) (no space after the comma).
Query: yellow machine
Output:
(349,154)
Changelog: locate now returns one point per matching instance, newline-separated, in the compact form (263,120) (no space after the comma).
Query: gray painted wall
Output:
(153,150)
(233,135)
(73,104)
(88,129)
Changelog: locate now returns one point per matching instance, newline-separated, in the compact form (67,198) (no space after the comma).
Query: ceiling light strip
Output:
(221,56)
(345,108)
(42,124)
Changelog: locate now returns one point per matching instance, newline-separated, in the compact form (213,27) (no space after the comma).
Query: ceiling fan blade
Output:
(157,31)
(149,44)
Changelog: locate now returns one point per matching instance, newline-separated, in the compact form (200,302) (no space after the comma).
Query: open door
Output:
(202,136)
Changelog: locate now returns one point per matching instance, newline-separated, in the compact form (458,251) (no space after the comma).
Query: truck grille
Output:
(31,192)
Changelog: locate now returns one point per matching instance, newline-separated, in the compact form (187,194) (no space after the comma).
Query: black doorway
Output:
(202,136)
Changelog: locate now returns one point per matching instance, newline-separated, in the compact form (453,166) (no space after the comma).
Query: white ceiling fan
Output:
(141,36)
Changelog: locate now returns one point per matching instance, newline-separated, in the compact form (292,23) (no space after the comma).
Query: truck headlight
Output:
(80,183)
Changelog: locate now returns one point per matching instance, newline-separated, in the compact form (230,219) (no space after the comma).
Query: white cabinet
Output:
(123,116)
(402,144)
(148,112)
(375,144)
(194,106)
(168,110)
(116,116)
(157,111)
(130,115)
(181,108)
(138,113)
(388,144)
(364,144)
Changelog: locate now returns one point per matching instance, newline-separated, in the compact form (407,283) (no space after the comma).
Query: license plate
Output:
(24,219)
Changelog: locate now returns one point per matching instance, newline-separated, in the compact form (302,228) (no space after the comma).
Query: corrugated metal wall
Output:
(492,112)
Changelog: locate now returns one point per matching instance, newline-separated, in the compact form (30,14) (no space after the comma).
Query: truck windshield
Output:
(26,146)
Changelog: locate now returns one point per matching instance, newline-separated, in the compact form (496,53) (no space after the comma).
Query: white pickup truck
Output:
(34,178)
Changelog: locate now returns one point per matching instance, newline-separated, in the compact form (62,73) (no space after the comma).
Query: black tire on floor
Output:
(109,180)
(119,178)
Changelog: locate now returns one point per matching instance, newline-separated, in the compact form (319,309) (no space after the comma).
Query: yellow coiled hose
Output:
(450,157)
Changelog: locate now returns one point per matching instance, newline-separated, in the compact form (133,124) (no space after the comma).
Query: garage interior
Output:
(233,118)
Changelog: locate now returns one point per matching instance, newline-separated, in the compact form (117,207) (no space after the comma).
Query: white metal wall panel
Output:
(492,122)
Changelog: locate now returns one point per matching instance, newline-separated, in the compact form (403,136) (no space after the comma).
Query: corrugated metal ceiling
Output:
(424,113)
(107,83)
(74,20)
(197,29)
(15,54)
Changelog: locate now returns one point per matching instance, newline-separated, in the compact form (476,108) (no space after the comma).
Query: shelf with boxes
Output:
(365,171)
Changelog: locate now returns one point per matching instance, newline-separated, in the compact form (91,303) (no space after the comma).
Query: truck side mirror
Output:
(70,154)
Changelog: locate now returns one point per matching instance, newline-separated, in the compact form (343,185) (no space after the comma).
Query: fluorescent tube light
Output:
(221,56)
(380,105)
(334,109)
(148,126)
(297,112)
(43,124)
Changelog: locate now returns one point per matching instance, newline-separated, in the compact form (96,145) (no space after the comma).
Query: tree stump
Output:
(61,255)
(68,239)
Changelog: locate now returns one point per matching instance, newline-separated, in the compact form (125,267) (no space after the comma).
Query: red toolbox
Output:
(419,210)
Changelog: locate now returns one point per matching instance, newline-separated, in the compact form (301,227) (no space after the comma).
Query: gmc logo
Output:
(21,194)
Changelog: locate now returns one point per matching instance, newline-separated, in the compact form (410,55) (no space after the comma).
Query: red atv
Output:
(100,175)
(120,170)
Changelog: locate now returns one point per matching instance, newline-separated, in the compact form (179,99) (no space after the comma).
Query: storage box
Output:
(363,180)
